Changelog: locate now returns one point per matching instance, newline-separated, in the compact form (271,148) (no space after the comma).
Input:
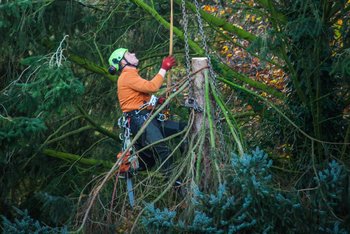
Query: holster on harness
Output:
(129,164)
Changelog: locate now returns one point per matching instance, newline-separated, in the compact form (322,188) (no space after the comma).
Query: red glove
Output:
(168,63)
(161,100)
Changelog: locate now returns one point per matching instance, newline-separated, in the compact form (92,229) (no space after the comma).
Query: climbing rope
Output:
(170,43)
(166,111)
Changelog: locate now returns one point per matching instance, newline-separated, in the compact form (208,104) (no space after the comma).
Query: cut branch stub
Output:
(198,82)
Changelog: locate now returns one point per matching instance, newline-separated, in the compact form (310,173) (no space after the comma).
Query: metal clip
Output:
(126,133)
(192,103)
(134,164)
(121,121)
(161,117)
(153,101)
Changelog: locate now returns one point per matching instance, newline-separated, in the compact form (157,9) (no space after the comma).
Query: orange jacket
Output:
(133,90)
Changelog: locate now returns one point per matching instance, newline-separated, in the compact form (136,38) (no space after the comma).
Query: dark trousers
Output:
(154,132)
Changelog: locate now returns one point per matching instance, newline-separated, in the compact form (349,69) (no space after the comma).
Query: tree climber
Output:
(134,93)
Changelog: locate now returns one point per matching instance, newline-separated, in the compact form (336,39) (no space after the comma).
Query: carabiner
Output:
(161,117)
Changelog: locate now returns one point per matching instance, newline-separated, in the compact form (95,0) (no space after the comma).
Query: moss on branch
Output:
(97,126)
(166,24)
(77,158)
(221,23)
(229,73)
(89,65)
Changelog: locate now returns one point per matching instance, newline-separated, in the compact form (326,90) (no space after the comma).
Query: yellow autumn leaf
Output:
(238,26)
(225,49)
(253,19)
(207,8)
(340,22)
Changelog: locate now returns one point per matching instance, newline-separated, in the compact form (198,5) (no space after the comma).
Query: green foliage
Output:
(56,209)
(48,90)
(38,95)
(249,202)
(52,88)
(329,198)
(316,61)
(18,128)
(341,65)
(12,10)
(26,224)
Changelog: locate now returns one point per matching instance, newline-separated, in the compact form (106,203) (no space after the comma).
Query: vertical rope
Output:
(170,45)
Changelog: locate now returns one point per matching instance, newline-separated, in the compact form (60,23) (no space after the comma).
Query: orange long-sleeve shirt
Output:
(134,91)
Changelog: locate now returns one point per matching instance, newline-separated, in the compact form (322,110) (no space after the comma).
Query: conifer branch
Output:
(97,126)
(79,130)
(90,66)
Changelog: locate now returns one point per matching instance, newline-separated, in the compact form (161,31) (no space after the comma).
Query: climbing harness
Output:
(153,101)
(129,163)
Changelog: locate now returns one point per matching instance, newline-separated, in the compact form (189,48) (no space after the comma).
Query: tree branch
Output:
(226,71)
(221,23)
(97,126)
(166,24)
(88,65)
(74,157)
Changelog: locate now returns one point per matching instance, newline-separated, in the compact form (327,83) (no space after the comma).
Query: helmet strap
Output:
(126,64)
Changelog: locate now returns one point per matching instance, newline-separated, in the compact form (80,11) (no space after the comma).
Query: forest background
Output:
(272,158)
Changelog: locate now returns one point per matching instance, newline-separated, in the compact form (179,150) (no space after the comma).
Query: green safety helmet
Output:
(115,58)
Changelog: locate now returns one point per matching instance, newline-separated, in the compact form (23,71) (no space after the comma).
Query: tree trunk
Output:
(198,91)
(203,172)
